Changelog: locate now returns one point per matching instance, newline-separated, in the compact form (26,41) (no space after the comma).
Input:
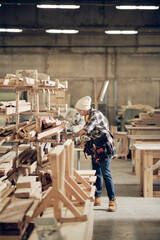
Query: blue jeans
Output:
(103,170)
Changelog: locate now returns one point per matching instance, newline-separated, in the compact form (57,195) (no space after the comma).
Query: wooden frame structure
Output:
(69,188)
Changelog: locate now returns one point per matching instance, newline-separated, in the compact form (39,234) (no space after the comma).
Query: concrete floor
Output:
(136,218)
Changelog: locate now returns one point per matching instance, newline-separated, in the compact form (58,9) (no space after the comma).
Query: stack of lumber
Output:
(6,192)
(29,162)
(30,78)
(47,129)
(27,131)
(7,161)
(13,222)
(8,108)
(28,187)
(50,128)
(9,131)
(147,119)
(10,80)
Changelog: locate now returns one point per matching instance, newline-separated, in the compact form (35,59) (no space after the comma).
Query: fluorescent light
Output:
(59,6)
(10,30)
(62,31)
(0,5)
(123,7)
(121,32)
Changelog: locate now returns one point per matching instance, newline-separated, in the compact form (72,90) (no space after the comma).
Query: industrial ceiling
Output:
(90,20)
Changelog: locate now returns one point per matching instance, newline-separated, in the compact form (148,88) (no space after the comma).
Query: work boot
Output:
(97,201)
(112,205)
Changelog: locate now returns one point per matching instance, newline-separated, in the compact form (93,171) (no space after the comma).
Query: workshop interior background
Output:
(129,62)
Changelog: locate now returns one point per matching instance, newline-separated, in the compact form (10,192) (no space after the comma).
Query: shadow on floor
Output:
(130,230)
(127,190)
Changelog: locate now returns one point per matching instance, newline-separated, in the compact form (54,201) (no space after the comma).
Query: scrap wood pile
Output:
(147,119)
(17,204)
(27,130)
(8,108)
(29,196)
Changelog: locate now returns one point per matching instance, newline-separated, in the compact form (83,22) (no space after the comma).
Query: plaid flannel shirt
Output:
(97,125)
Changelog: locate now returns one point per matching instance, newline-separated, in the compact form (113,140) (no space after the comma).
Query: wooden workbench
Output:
(147,153)
(135,153)
(151,130)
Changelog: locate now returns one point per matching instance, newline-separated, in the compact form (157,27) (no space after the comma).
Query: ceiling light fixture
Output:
(121,32)
(59,6)
(123,7)
(14,30)
(0,5)
(62,31)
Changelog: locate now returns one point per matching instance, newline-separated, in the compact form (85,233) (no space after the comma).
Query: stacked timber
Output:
(7,161)
(27,130)
(28,187)
(9,131)
(147,119)
(28,162)
(12,219)
(8,108)
(28,78)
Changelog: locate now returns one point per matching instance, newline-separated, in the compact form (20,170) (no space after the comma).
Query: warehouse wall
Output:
(129,62)
(134,73)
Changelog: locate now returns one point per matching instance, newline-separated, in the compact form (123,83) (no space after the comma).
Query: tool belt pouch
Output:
(88,148)
(103,147)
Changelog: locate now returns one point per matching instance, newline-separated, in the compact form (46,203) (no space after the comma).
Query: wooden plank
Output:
(50,132)
(26,182)
(86,172)
(5,149)
(148,176)
(148,146)
(73,192)
(57,178)
(44,203)
(29,214)
(15,212)
(5,203)
(7,193)
(80,179)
